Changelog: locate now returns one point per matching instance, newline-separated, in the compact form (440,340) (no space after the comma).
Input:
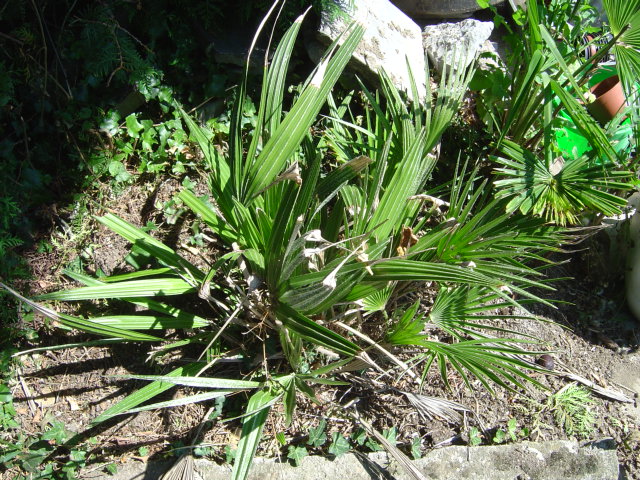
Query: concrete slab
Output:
(556,460)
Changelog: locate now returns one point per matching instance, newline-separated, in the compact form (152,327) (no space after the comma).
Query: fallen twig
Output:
(605,392)
(394,451)
(27,392)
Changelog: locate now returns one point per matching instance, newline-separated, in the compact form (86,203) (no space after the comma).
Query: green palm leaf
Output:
(150,245)
(559,195)
(289,134)
(81,323)
(252,425)
(152,287)
(315,333)
(149,391)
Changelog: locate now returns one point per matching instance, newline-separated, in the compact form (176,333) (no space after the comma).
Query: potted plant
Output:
(605,86)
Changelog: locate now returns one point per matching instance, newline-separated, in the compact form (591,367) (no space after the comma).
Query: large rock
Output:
(443,40)
(554,460)
(389,40)
(423,9)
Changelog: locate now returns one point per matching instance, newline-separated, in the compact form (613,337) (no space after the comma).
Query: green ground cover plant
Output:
(571,408)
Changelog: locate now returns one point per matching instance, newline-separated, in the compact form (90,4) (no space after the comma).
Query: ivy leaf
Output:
(359,436)
(57,434)
(148,136)
(230,453)
(339,444)
(5,394)
(474,437)
(512,426)
(416,451)
(110,124)
(78,456)
(118,171)
(317,437)
(391,435)
(297,454)
(133,126)
(373,445)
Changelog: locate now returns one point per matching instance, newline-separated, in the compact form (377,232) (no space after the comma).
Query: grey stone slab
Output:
(429,9)
(554,460)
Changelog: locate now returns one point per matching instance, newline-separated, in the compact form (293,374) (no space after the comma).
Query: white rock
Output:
(445,40)
(389,40)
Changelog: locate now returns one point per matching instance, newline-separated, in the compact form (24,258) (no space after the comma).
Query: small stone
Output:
(73,405)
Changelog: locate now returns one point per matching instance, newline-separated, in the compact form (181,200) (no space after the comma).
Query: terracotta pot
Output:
(609,99)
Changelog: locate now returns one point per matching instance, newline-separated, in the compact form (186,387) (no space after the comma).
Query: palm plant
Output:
(624,21)
(532,173)
(307,246)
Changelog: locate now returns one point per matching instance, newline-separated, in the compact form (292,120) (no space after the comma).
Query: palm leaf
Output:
(311,331)
(181,316)
(178,402)
(150,245)
(149,391)
(252,426)
(270,110)
(294,127)
(200,382)
(152,287)
(148,322)
(494,361)
(81,323)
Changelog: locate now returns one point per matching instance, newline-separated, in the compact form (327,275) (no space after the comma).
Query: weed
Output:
(339,445)
(31,454)
(416,448)
(512,432)
(475,437)
(317,435)
(571,409)
(296,454)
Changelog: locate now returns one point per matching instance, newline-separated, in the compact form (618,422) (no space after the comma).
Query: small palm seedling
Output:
(319,233)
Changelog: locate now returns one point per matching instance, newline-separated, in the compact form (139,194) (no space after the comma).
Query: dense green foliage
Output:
(314,224)
(547,75)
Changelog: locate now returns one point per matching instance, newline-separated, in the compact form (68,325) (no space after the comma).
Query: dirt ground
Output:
(593,336)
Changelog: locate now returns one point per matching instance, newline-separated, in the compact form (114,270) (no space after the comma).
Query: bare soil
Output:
(593,336)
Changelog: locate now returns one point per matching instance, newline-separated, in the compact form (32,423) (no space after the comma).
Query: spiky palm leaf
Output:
(558,192)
